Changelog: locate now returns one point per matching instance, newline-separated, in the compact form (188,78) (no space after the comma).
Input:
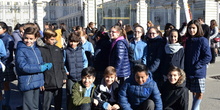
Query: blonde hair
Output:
(110,70)
(120,30)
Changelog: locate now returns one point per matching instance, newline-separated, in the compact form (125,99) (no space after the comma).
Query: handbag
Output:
(217,39)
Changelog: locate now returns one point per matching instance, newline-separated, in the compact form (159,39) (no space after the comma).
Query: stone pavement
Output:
(211,100)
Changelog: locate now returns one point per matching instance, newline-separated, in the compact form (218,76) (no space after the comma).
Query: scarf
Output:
(172,48)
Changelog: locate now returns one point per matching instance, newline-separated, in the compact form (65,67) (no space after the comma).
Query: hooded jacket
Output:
(28,63)
(131,94)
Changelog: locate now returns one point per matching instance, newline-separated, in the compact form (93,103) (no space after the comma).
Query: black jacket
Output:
(174,97)
(54,77)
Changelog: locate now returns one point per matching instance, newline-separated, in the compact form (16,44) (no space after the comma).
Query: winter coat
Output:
(9,74)
(54,77)
(119,58)
(75,61)
(197,56)
(104,96)
(78,96)
(173,59)
(155,53)
(131,94)
(175,97)
(28,63)
(17,37)
(59,38)
(2,54)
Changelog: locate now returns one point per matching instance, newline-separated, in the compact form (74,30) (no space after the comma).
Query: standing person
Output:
(197,56)
(75,61)
(213,44)
(65,34)
(155,54)
(30,68)
(59,38)
(119,53)
(56,76)
(90,31)
(149,24)
(129,32)
(8,74)
(17,34)
(140,92)
(88,47)
(107,91)
(139,47)
(174,52)
(205,28)
(174,93)
(2,68)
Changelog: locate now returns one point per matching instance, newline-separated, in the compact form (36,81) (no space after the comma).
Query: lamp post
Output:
(15,9)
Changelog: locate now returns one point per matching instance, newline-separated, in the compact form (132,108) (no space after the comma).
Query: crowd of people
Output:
(120,69)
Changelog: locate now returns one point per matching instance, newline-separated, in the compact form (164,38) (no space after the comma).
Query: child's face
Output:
(173,77)
(152,33)
(173,37)
(73,44)
(138,32)
(141,77)
(50,41)
(192,29)
(109,79)
(88,80)
(2,30)
(114,34)
(29,40)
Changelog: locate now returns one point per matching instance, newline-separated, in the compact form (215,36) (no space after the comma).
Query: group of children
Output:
(125,84)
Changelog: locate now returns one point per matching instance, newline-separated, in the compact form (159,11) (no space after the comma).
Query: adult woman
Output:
(197,56)
(213,44)
(119,53)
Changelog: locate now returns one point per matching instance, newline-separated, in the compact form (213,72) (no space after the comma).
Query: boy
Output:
(56,76)
(140,92)
(107,91)
(82,96)
(75,61)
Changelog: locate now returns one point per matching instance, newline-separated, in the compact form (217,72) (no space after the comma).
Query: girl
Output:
(119,53)
(197,56)
(139,47)
(174,51)
(213,34)
(174,93)
(8,74)
(107,91)
(29,67)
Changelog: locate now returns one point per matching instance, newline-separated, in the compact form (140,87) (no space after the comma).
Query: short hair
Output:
(140,68)
(89,71)
(74,37)
(4,26)
(33,31)
(200,32)
(181,73)
(49,33)
(110,70)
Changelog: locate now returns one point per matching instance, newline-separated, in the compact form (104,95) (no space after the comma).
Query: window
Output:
(8,3)
(16,3)
(25,3)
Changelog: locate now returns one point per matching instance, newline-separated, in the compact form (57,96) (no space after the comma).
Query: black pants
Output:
(48,96)
(147,105)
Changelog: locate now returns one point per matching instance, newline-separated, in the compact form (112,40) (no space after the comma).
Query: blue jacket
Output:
(119,58)
(87,46)
(17,37)
(197,55)
(2,54)
(28,62)
(131,94)
(9,46)
(140,51)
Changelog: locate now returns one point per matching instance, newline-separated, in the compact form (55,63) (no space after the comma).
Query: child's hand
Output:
(115,107)
(42,88)
(109,107)
(67,73)
(64,81)
(96,102)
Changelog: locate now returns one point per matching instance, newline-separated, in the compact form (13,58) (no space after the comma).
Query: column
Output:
(142,13)
(177,15)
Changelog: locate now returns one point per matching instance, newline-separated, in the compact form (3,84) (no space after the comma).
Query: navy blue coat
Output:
(28,62)
(119,58)
(197,56)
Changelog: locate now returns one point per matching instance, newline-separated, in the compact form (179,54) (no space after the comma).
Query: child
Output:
(75,61)
(140,92)
(30,68)
(82,96)
(56,76)
(2,68)
(174,93)
(197,56)
(107,91)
